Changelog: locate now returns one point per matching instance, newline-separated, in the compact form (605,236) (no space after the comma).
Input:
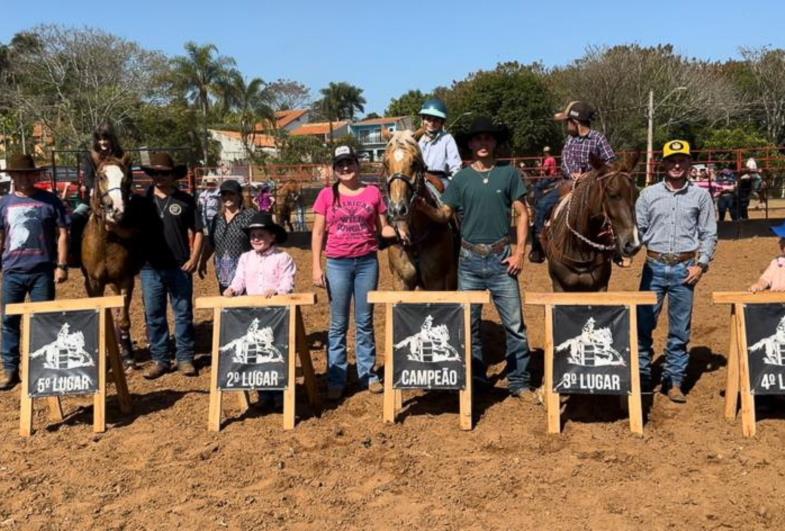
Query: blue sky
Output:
(387,48)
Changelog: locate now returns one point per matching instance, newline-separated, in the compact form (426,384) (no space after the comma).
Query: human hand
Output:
(229,292)
(202,269)
(694,274)
(268,293)
(514,263)
(189,266)
(61,275)
(318,278)
(758,286)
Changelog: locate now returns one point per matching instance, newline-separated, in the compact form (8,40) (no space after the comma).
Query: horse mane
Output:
(403,140)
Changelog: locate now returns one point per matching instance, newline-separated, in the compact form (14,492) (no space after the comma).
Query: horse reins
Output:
(607,226)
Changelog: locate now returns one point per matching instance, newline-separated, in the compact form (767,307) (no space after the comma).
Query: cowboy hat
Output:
(264,220)
(21,164)
(483,124)
(163,163)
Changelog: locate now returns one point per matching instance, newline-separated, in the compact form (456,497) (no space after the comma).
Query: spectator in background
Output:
(209,201)
(265,200)
(549,166)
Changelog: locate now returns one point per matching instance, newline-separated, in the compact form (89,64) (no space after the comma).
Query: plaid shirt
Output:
(575,155)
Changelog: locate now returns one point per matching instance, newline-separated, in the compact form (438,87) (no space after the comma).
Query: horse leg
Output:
(123,324)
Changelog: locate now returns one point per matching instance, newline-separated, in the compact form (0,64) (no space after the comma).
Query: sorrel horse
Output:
(285,197)
(111,253)
(593,224)
(430,259)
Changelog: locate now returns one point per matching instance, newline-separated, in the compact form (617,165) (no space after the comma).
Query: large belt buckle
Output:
(669,259)
(483,249)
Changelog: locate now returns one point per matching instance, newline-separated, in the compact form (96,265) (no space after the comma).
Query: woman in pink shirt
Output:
(774,277)
(347,218)
(265,269)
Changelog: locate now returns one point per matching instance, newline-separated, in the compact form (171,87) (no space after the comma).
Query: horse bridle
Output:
(103,195)
(413,182)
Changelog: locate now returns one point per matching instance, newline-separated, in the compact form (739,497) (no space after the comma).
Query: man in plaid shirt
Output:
(583,141)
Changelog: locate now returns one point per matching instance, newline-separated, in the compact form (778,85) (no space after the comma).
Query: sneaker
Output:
(156,370)
(186,368)
(375,387)
(675,395)
(334,393)
(9,380)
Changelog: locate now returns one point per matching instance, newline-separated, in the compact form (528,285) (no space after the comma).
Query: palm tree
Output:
(250,100)
(200,73)
(340,101)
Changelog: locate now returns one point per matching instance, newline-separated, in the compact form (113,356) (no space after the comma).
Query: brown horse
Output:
(593,223)
(429,261)
(111,253)
(285,197)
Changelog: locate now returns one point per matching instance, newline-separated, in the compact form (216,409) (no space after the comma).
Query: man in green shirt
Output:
(486,194)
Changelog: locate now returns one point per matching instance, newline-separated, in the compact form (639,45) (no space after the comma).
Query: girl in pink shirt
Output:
(265,269)
(774,277)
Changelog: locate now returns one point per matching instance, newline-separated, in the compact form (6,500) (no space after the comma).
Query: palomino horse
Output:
(285,197)
(592,224)
(111,254)
(429,260)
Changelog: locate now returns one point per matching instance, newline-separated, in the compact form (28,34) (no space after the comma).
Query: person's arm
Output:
(707,236)
(287,272)
(237,285)
(441,214)
(515,260)
(61,274)
(454,161)
(764,282)
(196,250)
(317,244)
(208,247)
(642,214)
(605,151)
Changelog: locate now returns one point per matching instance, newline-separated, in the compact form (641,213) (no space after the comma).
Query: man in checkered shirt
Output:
(582,142)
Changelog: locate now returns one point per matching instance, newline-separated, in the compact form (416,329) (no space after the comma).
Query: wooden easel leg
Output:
(747,399)
(465,394)
(309,375)
(389,392)
(26,403)
(244,401)
(552,402)
(732,382)
(55,408)
(118,371)
(214,413)
(289,392)
(634,400)
(398,400)
(99,399)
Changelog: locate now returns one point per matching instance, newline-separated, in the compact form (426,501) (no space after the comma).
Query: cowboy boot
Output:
(536,255)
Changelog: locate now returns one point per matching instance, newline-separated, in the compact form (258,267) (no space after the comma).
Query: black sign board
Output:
(429,346)
(591,347)
(254,351)
(63,353)
(765,325)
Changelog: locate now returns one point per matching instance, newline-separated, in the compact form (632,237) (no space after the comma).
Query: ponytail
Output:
(336,194)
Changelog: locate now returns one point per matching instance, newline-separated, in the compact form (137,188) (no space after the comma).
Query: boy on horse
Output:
(582,142)
(439,150)
(486,193)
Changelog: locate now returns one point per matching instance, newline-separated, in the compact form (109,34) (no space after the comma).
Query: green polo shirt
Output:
(486,206)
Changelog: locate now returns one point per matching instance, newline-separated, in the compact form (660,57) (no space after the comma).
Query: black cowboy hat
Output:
(163,163)
(232,186)
(264,220)
(21,164)
(483,124)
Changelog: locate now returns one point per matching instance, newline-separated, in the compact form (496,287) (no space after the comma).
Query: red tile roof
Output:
(284,118)
(380,121)
(317,128)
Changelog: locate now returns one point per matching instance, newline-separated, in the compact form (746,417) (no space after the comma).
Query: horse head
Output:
(112,188)
(403,166)
(618,203)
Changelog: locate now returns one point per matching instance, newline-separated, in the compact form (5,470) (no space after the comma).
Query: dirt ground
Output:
(343,468)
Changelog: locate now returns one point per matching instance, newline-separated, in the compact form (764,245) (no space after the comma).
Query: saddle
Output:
(434,179)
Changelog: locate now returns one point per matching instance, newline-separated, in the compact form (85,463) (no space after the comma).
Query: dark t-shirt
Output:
(30,225)
(166,225)
(486,206)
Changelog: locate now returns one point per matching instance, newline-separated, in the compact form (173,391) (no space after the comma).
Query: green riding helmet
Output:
(434,107)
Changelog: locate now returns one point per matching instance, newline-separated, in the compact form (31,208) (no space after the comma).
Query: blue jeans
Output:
(476,272)
(301,225)
(543,209)
(40,285)
(666,280)
(175,283)
(351,278)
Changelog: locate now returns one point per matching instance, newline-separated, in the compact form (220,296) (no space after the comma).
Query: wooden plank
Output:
(116,365)
(65,305)
(398,399)
(309,375)
(293,299)
(745,297)
(422,297)
(609,298)
(552,402)
(289,392)
(634,406)
(465,394)
(389,392)
(732,381)
(55,405)
(214,413)
(26,402)
(747,400)
(243,401)
(99,399)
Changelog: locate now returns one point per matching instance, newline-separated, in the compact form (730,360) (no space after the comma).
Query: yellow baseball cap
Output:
(676,147)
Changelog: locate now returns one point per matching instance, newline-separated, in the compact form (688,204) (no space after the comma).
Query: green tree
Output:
(249,101)
(340,101)
(408,104)
(200,74)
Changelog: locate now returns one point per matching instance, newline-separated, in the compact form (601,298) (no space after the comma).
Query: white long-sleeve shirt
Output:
(441,153)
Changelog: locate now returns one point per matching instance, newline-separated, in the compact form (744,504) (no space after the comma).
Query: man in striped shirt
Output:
(582,143)
(677,225)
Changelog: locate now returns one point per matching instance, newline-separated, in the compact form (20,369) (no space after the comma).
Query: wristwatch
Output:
(64,267)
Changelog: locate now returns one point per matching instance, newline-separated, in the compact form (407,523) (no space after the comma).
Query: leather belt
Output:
(670,259)
(484,249)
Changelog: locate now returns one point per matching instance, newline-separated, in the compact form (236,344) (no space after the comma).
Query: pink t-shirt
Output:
(351,224)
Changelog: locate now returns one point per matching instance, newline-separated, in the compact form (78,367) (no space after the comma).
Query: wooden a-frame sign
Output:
(296,344)
(107,349)
(738,381)
(393,398)
(629,299)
